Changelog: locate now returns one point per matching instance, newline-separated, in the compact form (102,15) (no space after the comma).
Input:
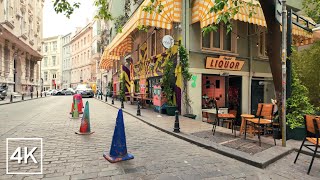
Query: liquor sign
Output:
(224,62)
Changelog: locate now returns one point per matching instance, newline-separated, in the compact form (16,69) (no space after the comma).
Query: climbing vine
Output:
(184,62)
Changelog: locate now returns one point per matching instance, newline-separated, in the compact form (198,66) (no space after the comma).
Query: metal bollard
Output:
(112,102)
(40,94)
(106,98)
(31,95)
(122,105)
(22,97)
(176,123)
(138,110)
(37,94)
(11,98)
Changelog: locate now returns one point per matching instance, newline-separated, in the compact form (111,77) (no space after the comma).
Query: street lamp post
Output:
(284,75)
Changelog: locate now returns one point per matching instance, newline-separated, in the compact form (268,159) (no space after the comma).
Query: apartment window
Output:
(54,46)
(53,60)
(81,43)
(45,76)
(84,55)
(45,62)
(262,44)
(153,44)
(218,40)
(54,75)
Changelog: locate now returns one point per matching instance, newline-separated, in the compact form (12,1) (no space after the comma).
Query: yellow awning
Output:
(170,13)
(106,60)
(124,47)
(201,12)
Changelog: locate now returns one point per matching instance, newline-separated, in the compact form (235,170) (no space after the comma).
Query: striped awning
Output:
(122,43)
(201,12)
(107,60)
(124,47)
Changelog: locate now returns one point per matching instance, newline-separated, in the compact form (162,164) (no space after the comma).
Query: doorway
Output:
(234,94)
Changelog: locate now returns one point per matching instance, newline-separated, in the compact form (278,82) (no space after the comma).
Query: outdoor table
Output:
(212,115)
(244,117)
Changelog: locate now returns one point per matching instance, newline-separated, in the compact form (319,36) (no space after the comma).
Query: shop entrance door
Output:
(234,93)
(257,95)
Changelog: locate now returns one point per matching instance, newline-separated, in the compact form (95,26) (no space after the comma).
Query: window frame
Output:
(263,45)
(222,37)
(153,45)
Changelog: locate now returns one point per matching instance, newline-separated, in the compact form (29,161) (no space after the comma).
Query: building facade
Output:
(83,68)
(96,53)
(20,44)
(66,61)
(51,71)
(232,68)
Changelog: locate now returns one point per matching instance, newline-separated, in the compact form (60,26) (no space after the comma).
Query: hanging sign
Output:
(167,41)
(224,62)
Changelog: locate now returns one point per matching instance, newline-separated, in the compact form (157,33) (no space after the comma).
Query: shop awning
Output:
(171,12)
(107,60)
(124,47)
(201,12)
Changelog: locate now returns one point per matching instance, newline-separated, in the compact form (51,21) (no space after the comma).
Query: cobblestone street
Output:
(157,155)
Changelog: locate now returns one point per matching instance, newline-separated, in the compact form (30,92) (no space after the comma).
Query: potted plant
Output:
(298,105)
(168,83)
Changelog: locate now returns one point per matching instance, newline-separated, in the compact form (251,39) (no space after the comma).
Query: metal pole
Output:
(289,52)
(284,76)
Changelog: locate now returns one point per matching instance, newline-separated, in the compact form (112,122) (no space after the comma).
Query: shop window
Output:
(219,40)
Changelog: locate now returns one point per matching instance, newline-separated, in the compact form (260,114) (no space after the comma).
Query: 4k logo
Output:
(17,155)
(24,152)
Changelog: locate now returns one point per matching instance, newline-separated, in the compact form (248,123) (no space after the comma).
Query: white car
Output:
(47,92)
(85,90)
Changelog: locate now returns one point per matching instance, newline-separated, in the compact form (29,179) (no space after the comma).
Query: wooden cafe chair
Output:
(264,116)
(312,125)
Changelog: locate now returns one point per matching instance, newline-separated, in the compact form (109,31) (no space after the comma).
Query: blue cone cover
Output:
(119,146)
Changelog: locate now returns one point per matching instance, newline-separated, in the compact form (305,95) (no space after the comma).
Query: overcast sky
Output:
(57,24)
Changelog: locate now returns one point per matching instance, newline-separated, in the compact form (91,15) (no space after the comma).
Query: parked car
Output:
(55,92)
(85,90)
(47,92)
(68,91)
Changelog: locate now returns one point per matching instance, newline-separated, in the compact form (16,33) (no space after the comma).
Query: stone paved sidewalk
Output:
(18,98)
(188,127)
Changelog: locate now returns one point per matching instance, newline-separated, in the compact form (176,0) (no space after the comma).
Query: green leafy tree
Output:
(312,9)
(298,104)
(306,63)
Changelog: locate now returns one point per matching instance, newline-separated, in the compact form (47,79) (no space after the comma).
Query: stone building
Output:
(20,44)
(66,61)
(51,70)
(83,68)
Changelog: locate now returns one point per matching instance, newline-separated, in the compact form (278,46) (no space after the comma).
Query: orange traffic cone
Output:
(85,122)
